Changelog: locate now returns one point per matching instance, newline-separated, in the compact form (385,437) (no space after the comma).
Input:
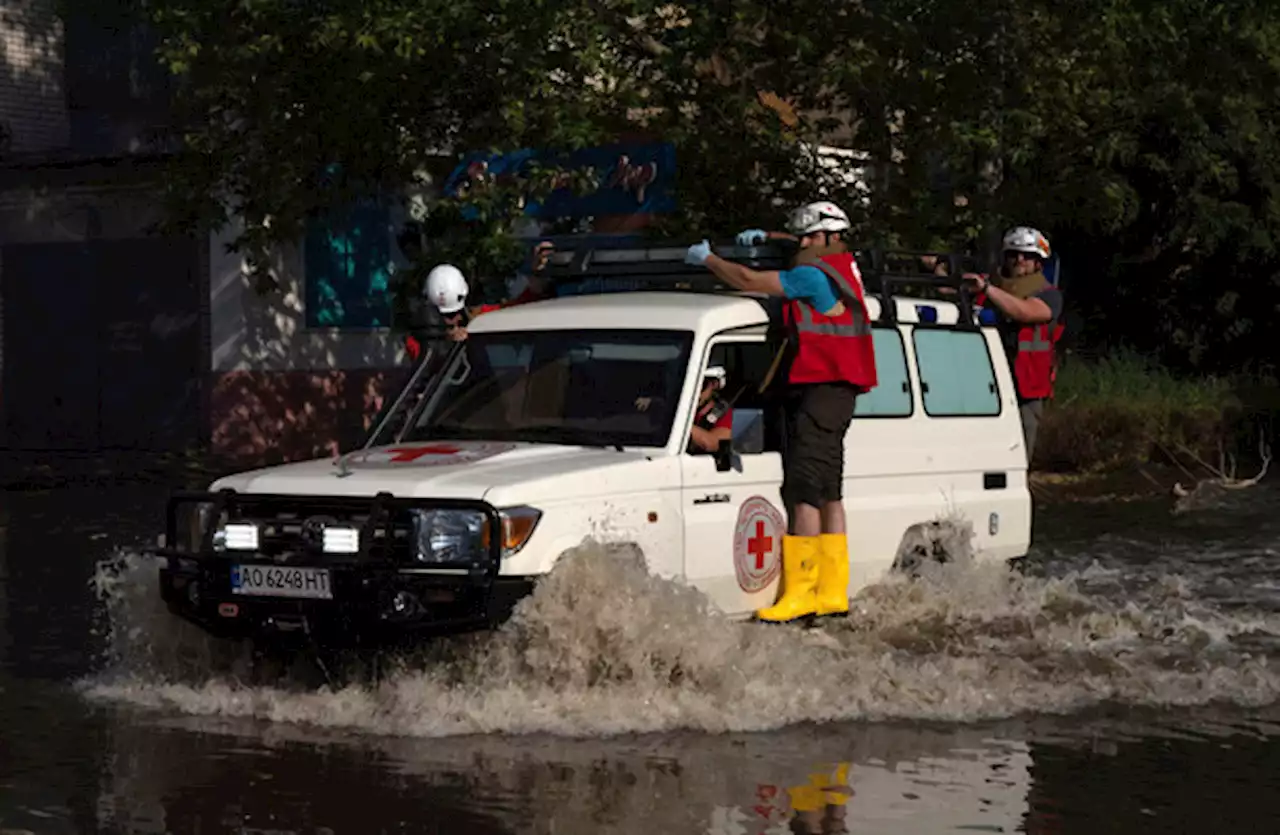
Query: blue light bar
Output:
(928,313)
(987,316)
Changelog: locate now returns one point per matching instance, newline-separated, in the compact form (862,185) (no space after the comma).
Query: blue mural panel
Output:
(632,178)
(348,262)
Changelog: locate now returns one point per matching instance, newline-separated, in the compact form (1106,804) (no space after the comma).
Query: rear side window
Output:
(957,378)
(891,396)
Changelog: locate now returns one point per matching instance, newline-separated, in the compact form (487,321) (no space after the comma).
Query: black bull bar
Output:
(377,596)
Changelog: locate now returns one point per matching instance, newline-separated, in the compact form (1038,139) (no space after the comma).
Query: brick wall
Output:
(33,106)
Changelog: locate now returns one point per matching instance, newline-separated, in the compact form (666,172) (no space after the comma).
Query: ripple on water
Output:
(603,647)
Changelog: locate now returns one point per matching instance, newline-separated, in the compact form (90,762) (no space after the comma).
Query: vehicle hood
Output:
(451,469)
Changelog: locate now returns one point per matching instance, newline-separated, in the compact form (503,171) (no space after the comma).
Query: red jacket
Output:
(833,348)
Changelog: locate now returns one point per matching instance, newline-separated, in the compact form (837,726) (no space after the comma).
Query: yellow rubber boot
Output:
(805,798)
(833,574)
(799,581)
(838,793)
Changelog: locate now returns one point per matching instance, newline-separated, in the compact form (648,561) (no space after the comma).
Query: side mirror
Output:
(724,456)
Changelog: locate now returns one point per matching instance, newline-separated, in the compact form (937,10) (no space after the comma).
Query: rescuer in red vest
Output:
(831,361)
(1029,310)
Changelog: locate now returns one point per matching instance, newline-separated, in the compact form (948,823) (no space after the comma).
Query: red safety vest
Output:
(1035,366)
(833,348)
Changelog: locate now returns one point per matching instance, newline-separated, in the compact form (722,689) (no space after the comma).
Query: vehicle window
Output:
(956,375)
(746,363)
(587,387)
(509,356)
(892,395)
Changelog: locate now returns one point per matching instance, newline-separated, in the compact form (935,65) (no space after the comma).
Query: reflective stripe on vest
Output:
(1039,340)
(1033,364)
(859,327)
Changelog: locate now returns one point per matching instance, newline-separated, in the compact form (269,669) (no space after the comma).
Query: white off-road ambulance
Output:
(568,419)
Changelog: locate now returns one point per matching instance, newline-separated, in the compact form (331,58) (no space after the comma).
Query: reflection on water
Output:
(1093,652)
(1096,776)
(871,780)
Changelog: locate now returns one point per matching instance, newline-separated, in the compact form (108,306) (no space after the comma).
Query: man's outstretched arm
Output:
(804,282)
(734,274)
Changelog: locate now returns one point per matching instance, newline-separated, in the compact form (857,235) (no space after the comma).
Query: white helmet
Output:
(714,372)
(446,288)
(822,216)
(1026,239)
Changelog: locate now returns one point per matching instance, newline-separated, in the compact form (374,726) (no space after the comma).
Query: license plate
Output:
(281,581)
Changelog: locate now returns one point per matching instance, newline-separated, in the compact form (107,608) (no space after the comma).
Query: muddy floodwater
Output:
(1129,681)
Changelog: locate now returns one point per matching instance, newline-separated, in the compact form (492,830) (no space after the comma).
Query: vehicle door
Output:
(734,521)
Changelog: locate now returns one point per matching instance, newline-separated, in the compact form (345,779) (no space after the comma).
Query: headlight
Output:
(196,518)
(236,536)
(458,536)
(448,535)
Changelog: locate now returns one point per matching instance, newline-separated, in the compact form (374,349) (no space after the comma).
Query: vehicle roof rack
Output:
(631,268)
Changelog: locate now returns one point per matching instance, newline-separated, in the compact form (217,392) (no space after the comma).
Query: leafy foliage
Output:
(1141,136)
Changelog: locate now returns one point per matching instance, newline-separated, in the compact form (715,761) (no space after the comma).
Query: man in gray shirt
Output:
(1028,310)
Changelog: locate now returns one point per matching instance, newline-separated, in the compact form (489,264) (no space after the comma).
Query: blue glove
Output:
(698,253)
(751,237)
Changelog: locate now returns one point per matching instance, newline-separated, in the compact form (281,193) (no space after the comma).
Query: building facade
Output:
(113,337)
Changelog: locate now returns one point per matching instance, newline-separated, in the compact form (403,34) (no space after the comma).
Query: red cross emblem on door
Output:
(759,545)
(757,538)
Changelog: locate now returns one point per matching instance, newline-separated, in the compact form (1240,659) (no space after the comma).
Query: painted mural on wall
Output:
(349,263)
(632,179)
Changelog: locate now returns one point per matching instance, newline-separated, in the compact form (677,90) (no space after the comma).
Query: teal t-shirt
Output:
(810,284)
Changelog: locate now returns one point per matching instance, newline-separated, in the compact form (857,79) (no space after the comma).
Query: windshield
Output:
(589,387)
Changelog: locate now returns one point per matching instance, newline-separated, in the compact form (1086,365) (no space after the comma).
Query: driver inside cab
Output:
(713,422)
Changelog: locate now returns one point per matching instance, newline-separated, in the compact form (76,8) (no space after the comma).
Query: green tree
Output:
(292,108)
(1140,135)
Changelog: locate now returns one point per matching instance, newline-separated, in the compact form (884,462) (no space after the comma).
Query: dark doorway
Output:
(102,346)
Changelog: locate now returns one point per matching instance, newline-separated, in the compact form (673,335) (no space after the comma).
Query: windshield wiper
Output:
(561,435)
(538,433)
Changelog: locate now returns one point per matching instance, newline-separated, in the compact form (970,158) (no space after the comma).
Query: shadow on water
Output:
(71,765)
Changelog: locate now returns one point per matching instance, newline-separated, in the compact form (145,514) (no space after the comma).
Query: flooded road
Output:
(1128,683)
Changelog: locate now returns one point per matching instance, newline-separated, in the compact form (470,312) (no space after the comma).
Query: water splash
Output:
(603,647)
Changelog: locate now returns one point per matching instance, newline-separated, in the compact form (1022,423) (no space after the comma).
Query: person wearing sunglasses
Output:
(1028,314)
